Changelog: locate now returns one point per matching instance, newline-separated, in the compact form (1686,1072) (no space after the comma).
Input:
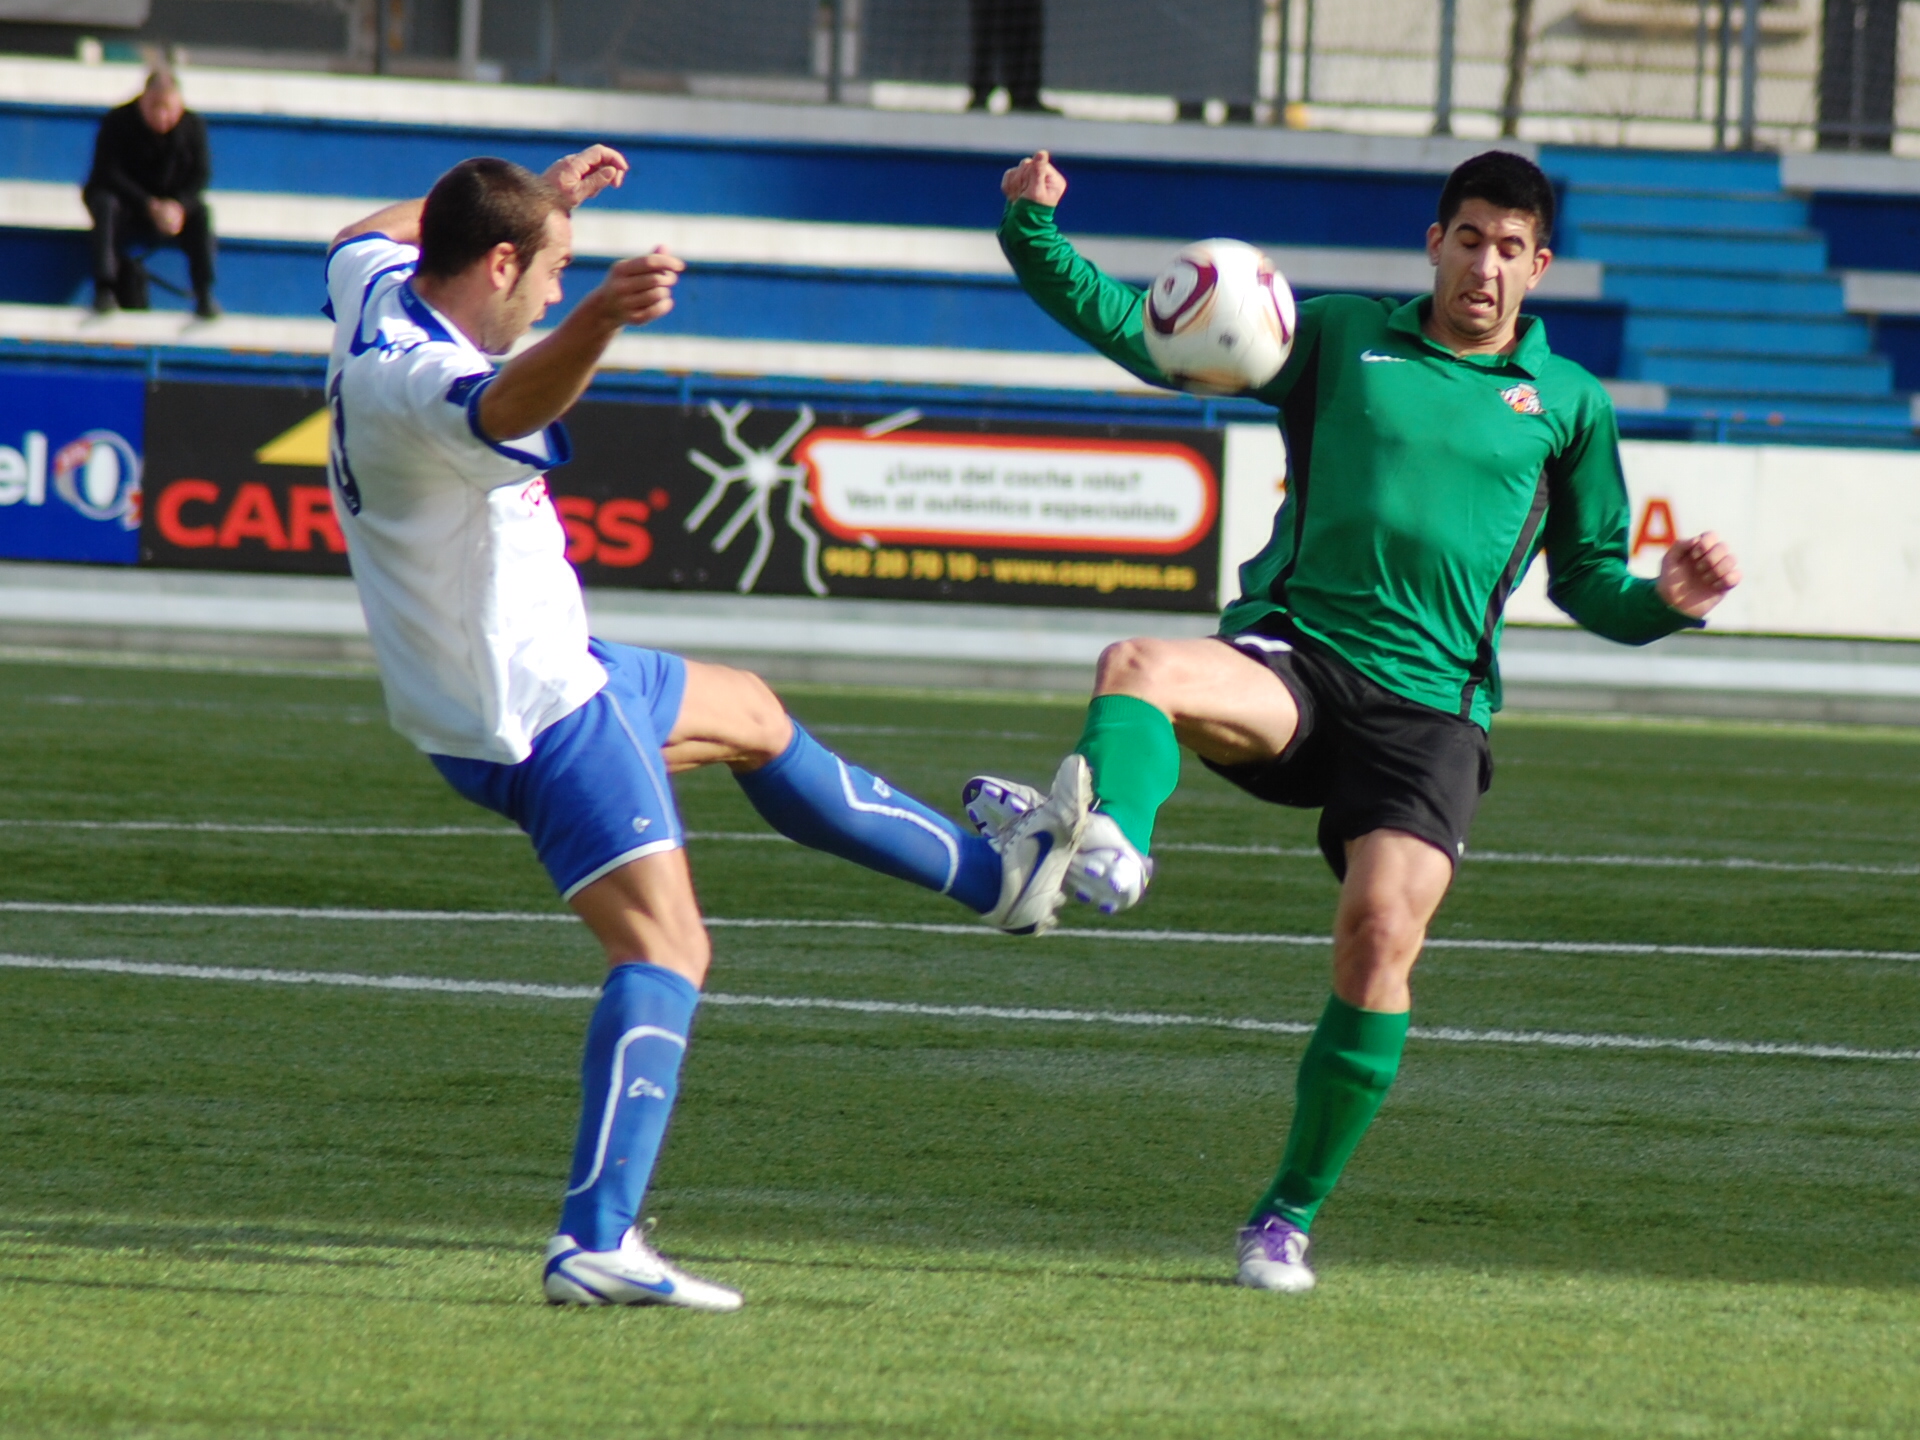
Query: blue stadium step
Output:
(1655,288)
(1860,376)
(1893,415)
(758,176)
(1586,205)
(716,301)
(1667,169)
(1749,334)
(1760,252)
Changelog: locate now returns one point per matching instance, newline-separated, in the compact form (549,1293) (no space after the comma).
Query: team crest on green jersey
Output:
(1524,399)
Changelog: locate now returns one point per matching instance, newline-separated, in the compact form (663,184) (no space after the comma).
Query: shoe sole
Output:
(583,1295)
(1241,1279)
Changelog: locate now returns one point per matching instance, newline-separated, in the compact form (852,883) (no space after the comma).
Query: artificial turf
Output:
(233,1208)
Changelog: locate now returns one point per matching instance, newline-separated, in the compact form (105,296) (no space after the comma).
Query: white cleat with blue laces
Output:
(1106,871)
(630,1275)
(1036,849)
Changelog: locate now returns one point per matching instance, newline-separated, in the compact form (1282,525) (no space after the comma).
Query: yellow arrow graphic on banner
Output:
(304,444)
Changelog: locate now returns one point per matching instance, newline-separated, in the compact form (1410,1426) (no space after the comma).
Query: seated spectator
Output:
(150,169)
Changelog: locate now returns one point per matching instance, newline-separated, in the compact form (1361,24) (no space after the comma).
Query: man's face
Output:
(161,106)
(1485,262)
(518,306)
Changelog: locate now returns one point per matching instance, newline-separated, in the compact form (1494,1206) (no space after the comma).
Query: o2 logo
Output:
(99,475)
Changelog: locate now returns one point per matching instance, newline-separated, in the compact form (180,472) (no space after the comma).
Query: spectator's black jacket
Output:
(134,163)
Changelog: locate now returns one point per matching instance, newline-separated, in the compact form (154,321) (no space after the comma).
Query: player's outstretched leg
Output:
(1133,763)
(629,1077)
(825,802)
(1151,697)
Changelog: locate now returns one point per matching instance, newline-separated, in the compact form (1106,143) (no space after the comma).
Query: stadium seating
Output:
(1732,305)
(855,246)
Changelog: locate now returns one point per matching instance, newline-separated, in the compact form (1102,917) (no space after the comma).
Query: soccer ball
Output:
(1219,319)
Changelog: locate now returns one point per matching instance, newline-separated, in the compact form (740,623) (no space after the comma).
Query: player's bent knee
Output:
(731,715)
(1132,667)
(765,729)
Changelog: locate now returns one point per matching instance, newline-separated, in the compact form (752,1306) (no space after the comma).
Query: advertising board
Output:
(70,467)
(748,500)
(1828,539)
(237,480)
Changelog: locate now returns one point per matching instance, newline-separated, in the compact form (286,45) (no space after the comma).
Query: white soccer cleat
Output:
(994,805)
(1273,1256)
(1036,851)
(630,1275)
(1107,872)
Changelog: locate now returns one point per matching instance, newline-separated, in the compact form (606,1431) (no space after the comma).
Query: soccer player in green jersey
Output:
(1434,447)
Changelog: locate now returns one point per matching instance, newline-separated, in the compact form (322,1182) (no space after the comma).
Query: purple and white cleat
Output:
(1273,1256)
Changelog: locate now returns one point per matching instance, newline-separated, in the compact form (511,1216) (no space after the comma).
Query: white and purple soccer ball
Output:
(1220,319)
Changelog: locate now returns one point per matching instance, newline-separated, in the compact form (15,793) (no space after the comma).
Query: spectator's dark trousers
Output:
(1007,43)
(120,226)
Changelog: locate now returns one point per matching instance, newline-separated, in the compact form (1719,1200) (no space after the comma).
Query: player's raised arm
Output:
(1072,289)
(542,383)
(399,222)
(578,177)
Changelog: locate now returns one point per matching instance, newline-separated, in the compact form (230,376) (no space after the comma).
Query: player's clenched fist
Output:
(581,176)
(1696,574)
(640,290)
(1034,179)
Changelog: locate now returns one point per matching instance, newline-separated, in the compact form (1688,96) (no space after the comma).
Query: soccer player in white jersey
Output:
(437,470)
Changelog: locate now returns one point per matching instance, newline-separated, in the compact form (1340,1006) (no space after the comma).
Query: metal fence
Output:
(1686,73)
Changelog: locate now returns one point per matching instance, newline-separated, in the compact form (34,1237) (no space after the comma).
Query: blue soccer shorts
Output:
(593,795)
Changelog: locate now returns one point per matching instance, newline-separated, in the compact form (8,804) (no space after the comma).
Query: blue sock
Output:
(630,1074)
(811,795)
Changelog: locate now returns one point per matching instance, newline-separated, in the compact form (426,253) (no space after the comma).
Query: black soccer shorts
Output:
(1366,758)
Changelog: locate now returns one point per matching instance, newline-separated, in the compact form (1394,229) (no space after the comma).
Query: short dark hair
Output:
(1501,178)
(481,203)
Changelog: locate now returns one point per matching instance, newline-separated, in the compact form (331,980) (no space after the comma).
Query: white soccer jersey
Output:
(475,615)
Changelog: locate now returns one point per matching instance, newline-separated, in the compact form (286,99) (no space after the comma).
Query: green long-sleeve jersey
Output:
(1420,486)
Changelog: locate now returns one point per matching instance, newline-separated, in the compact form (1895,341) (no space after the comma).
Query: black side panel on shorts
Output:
(1483,659)
(1298,412)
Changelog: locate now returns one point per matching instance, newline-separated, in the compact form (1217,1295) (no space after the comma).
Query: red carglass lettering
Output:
(252,516)
(175,498)
(310,514)
(623,532)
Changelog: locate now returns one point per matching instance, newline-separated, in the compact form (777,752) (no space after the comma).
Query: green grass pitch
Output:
(232,1208)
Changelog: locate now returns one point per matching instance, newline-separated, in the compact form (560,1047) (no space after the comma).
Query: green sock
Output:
(1135,760)
(1344,1076)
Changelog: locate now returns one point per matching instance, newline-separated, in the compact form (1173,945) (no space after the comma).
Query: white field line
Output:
(1291,852)
(1162,937)
(1141,1018)
(219,827)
